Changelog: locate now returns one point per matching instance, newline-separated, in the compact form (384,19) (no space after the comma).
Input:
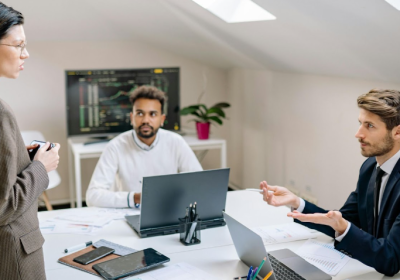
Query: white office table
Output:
(78,151)
(216,253)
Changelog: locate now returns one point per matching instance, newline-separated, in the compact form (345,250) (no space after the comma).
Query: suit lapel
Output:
(394,177)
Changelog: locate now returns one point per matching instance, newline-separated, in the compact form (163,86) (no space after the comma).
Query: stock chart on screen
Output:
(98,100)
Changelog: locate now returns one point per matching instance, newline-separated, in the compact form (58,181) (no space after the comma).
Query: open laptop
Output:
(285,263)
(165,198)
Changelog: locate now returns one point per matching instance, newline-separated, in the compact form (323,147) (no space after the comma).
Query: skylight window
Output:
(237,10)
(394,3)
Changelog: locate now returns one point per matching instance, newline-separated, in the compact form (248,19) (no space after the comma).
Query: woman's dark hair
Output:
(8,18)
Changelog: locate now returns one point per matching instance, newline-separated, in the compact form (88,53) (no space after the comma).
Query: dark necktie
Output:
(377,189)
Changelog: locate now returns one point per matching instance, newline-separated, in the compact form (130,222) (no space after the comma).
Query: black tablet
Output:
(130,264)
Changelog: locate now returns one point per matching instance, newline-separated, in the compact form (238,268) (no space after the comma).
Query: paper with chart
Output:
(180,271)
(85,220)
(97,217)
(323,255)
(49,227)
(284,233)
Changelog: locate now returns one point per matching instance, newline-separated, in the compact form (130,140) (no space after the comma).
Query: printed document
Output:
(323,255)
(285,233)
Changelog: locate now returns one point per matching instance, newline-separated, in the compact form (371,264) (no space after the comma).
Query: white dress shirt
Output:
(387,166)
(126,160)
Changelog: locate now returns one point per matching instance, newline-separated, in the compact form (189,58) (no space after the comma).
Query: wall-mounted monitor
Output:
(98,100)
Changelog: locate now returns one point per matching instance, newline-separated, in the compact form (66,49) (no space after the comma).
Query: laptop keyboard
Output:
(282,272)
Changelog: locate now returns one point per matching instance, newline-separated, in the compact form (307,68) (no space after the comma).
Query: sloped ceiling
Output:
(348,38)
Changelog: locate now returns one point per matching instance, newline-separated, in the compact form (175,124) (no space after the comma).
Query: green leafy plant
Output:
(204,114)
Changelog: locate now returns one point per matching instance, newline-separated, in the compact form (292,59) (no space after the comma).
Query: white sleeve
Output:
(187,160)
(340,237)
(301,206)
(99,192)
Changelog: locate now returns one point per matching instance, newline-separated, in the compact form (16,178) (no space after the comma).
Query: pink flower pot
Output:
(203,130)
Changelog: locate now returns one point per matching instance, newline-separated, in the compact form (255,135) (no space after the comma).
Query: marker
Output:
(194,210)
(187,214)
(78,247)
(250,272)
(258,190)
(254,273)
(190,213)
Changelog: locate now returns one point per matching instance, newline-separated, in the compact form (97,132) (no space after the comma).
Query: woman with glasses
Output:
(22,181)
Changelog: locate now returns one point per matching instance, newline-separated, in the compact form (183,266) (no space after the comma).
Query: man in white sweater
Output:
(147,150)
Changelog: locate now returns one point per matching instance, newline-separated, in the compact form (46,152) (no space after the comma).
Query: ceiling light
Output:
(394,3)
(236,10)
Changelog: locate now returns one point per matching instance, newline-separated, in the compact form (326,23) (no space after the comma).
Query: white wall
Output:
(288,129)
(38,95)
(296,130)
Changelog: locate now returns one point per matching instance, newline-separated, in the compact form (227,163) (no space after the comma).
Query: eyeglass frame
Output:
(22,46)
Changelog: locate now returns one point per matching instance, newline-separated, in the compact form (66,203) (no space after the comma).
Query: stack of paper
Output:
(285,233)
(323,255)
(84,220)
(180,271)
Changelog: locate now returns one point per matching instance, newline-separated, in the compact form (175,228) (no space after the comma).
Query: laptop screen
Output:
(165,198)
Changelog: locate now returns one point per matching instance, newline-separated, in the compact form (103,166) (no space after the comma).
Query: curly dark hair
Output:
(149,92)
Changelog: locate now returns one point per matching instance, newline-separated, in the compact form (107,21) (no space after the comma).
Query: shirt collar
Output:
(142,145)
(388,165)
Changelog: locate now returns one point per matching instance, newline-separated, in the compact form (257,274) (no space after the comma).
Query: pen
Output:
(259,268)
(268,275)
(250,272)
(190,213)
(78,247)
(258,190)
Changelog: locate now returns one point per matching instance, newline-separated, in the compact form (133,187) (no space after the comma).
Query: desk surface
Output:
(215,255)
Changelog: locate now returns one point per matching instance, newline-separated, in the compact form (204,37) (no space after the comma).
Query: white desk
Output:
(216,253)
(77,151)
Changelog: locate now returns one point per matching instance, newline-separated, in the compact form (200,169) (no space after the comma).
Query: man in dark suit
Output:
(367,227)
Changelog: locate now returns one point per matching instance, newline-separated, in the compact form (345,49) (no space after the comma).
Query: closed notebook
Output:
(68,260)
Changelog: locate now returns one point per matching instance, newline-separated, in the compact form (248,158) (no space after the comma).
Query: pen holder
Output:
(189,232)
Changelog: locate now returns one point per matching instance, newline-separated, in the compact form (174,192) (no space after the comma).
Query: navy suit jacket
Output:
(381,252)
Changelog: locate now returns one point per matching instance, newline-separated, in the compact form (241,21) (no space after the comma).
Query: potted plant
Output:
(204,116)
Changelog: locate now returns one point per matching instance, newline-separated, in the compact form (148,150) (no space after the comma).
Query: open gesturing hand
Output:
(333,219)
(278,196)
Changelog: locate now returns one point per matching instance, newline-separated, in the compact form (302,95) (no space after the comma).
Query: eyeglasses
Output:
(21,46)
